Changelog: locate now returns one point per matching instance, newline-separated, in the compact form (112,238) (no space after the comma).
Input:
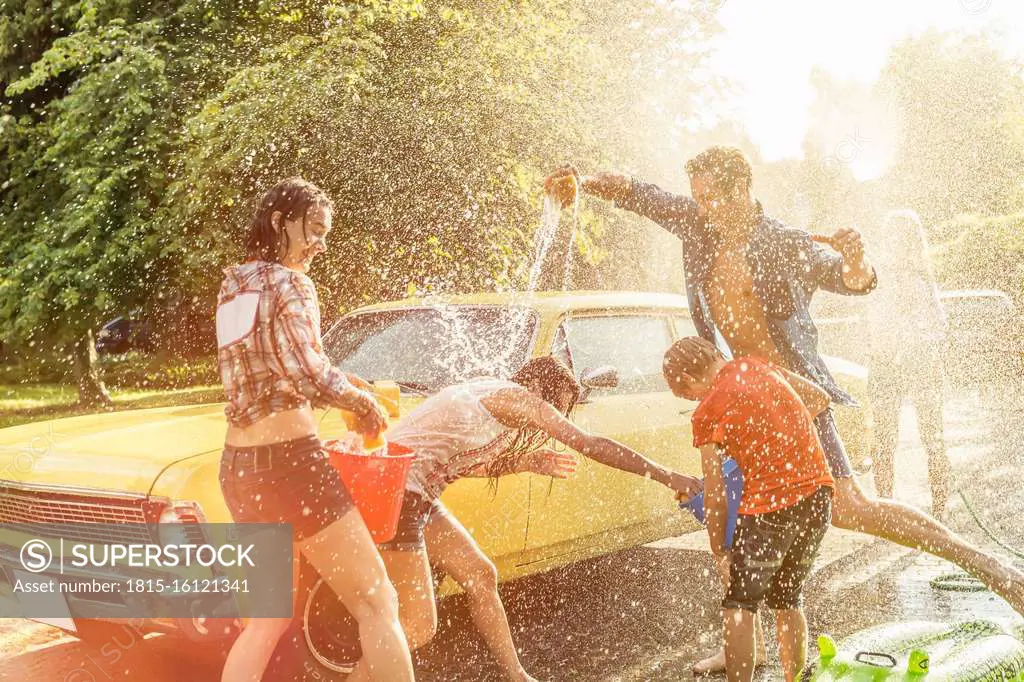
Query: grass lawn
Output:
(35,402)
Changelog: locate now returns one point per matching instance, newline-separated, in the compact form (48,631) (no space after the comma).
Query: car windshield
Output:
(426,349)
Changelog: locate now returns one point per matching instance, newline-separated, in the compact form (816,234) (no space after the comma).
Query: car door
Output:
(426,347)
(640,412)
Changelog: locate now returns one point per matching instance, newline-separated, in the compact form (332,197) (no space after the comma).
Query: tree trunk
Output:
(91,391)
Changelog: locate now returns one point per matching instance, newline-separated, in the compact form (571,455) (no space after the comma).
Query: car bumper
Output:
(115,607)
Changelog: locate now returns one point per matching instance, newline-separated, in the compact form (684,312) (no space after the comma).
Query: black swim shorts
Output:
(772,553)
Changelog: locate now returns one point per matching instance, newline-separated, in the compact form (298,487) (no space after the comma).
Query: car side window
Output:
(684,327)
(633,344)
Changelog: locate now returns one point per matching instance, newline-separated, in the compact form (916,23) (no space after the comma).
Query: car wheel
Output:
(323,641)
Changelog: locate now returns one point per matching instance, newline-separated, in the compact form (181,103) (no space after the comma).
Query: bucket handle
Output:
(866,656)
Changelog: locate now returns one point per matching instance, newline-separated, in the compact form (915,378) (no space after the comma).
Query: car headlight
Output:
(178,523)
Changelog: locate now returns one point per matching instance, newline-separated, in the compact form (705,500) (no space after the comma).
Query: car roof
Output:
(552,302)
(973,293)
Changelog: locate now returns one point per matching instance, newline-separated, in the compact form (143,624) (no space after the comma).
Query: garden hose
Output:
(957,582)
(985,529)
(964,582)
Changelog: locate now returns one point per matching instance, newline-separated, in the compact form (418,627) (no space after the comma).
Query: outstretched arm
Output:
(543,462)
(845,272)
(526,410)
(608,185)
(676,213)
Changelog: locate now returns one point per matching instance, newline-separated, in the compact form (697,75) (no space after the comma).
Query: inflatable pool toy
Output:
(971,651)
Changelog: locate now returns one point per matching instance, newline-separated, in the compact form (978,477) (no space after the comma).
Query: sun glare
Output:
(771,55)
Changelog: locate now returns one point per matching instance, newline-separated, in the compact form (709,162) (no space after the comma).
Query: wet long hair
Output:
(293,197)
(552,379)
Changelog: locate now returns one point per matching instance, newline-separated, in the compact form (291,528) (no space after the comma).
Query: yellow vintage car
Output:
(162,464)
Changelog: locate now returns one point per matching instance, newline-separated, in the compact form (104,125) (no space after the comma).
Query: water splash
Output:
(570,252)
(481,357)
(550,219)
(542,240)
(500,354)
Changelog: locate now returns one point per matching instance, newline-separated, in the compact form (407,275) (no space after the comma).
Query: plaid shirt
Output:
(269,349)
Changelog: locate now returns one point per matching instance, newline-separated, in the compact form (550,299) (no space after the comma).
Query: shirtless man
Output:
(749,281)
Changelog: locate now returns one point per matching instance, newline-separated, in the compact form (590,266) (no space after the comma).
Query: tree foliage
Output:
(91,128)
(137,136)
(959,102)
(982,253)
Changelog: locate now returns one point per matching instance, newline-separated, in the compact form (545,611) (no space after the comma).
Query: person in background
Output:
(908,327)
(274,468)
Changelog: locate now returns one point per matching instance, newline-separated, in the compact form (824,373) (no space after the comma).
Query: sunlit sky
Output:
(769,48)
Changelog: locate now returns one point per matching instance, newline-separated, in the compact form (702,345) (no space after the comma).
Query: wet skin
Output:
(735,309)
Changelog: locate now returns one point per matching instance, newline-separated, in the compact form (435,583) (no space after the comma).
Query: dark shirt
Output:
(786,268)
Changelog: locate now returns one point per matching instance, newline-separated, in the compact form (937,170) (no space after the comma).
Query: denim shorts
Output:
(832,444)
(290,482)
(416,511)
(772,553)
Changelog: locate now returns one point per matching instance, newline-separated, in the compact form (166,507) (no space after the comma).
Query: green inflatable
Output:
(972,651)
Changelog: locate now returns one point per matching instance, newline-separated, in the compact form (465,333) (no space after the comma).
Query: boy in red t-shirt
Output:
(760,415)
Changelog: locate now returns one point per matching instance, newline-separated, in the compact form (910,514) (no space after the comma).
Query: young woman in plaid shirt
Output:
(273,469)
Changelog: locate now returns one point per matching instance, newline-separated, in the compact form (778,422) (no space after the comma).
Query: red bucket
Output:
(376,483)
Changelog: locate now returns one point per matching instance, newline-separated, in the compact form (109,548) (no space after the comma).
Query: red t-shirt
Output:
(755,415)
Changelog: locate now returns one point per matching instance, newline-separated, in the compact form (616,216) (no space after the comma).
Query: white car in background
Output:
(984,345)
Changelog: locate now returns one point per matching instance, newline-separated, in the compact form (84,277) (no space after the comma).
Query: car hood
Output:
(123,451)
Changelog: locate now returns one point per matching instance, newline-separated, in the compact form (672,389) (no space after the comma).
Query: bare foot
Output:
(711,665)
(716,663)
(1004,579)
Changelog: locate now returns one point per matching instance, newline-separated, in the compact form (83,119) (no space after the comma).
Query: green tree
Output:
(90,126)
(982,253)
(432,128)
(138,136)
(960,106)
